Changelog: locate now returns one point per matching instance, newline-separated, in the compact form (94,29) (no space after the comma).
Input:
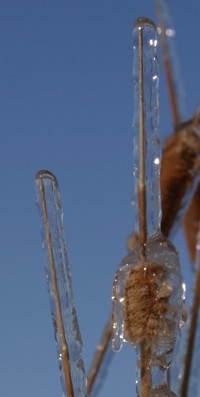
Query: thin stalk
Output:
(141,181)
(191,335)
(98,357)
(145,371)
(168,69)
(145,352)
(64,347)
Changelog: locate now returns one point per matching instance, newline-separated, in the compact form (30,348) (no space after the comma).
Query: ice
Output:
(151,118)
(59,283)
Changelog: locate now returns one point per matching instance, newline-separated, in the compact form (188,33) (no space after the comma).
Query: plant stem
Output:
(168,69)
(191,334)
(99,355)
(145,370)
(145,352)
(141,181)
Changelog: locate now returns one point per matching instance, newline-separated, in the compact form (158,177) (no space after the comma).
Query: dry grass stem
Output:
(141,182)
(191,335)
(99,355)
(167,66)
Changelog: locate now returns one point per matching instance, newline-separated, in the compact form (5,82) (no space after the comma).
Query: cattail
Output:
(147,289)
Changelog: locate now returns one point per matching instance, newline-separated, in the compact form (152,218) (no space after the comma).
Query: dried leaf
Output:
(191,223)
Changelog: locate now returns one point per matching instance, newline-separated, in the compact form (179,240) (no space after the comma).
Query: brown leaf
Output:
(191,223)
(178,169)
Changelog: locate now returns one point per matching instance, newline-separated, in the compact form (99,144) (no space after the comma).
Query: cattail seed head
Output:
(148,299)
(148,315)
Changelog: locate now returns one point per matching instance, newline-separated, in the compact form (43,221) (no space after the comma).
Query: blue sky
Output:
(66,104)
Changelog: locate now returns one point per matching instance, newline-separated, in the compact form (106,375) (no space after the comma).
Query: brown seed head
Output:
(148,315)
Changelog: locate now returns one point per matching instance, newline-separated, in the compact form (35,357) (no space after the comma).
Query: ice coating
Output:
(119,286)
(161,391)
(57,271)
(144,22)
(151,115)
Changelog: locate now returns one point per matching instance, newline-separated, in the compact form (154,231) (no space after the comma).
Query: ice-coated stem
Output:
(145,356)
(67,334)
(147,287)
(146,146)
(64,347)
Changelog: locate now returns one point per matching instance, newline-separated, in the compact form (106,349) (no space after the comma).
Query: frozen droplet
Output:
(170,32)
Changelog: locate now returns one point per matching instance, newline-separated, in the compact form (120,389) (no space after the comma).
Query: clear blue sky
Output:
(66,104)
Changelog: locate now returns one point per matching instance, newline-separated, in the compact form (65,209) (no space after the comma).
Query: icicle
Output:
(66,329)
(147,290)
